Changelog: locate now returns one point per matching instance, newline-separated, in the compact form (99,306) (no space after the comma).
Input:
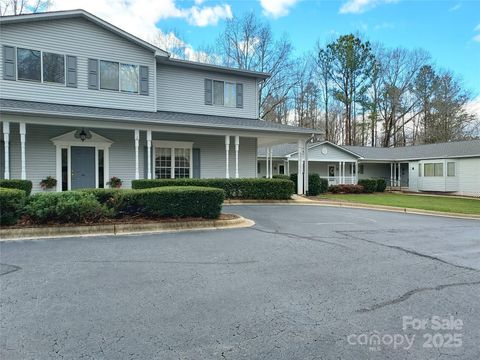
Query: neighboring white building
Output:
(452,167)
(82,101)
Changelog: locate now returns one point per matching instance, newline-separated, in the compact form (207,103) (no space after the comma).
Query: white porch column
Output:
(271,163)
(23,131)
(300,168)
(267,163)
(227,160)
(356,172)
(149,154)
(137,143)
(391,174)
(6,140)
(287,170)
(399,174)
(237,147)
(305,169)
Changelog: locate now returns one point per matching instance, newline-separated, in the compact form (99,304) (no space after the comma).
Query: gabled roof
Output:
(285,150)
(147,117)
(79,13)
(216,68)
(468,148)
(454,149)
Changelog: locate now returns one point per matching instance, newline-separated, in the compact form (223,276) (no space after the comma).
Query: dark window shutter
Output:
(9,65)
(71,71)
(208,92)
(239,95)
(196,163)
(93,74)
(143,80)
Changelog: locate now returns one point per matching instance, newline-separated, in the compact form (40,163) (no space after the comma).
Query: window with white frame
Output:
(119,77)
(40,66)
(224,93)
(172,160)
(450,169)
(432,169)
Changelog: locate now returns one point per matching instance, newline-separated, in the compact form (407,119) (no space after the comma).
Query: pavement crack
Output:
(348,234)
(304,237)
(7,268)
(410,293)
(172,262)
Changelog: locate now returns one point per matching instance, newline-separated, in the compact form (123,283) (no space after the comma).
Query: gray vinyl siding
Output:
(83,39)
(181,89)
(41,153)
(468,174)
(212,154)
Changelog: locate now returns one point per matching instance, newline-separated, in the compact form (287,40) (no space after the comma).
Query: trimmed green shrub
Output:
(346,189)
(174,201)
(11,204)
(280,176)
(25,185)
(111,198)
(65,207)
(262,189)
(369,185)
(316,184)
(381,185)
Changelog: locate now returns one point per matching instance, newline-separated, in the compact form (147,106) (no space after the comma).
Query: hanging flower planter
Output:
(115,182)
(48,183)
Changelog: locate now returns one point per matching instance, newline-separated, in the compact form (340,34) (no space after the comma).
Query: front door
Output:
(331,175)
(83,167)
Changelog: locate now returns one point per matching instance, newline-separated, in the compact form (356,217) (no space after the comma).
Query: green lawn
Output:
(435,203)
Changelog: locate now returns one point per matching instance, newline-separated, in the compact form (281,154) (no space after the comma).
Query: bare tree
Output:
(248,43)
(19,7)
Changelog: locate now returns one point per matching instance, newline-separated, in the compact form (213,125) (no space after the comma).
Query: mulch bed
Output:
(24,222)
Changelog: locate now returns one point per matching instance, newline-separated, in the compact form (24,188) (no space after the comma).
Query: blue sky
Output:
(448,29)
(445,28)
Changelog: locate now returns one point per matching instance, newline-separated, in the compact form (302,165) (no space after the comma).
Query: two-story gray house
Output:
(82,101)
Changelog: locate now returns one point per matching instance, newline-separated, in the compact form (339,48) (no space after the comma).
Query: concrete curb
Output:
(120,229)
(363,206)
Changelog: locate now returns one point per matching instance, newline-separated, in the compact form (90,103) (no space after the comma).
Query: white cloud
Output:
(455,7)
(277,8)
(384,25)
(477,37)
(360,6)
(209,15)
(473,106)
(140,17)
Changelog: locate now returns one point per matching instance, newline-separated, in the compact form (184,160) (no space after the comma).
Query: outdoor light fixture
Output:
(83,135)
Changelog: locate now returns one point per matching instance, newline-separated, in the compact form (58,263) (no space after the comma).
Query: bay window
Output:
(433,169)
(450,169)
(172,159)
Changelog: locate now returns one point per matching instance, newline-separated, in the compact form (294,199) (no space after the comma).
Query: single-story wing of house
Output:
(452,167)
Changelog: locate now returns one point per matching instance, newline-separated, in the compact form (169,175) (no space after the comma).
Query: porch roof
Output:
(20,107)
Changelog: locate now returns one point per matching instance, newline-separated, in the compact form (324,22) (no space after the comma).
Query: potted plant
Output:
(48,183)
(115,182)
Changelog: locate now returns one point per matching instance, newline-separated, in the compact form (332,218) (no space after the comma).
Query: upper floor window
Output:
(40,66)
(223,93)
(116,76)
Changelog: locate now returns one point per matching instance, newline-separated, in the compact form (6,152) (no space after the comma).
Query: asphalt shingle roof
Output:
(427,151)
(159,117)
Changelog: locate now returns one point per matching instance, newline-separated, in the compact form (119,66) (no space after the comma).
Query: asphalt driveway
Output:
(305,282)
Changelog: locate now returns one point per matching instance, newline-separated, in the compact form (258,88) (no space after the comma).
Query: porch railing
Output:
(336,180)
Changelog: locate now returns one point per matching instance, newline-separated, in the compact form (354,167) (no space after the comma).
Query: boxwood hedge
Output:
(262,189)
(25,185)
(381,185)
(173,201)
(65,207)
(316,184)
(369,185)
(11,204)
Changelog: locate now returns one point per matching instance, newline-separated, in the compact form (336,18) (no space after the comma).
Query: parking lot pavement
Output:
(305,282)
